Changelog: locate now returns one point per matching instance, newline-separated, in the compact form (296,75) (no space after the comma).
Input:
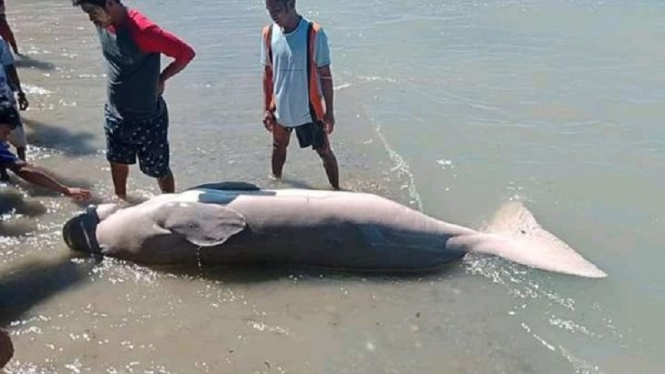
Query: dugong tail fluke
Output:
(514,234)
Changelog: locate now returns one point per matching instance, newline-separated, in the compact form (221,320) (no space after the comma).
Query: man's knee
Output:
(165,177)
(280,139)
(325,151)
(158,172)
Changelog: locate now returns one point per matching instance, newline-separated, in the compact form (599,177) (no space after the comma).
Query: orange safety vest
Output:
(315,100)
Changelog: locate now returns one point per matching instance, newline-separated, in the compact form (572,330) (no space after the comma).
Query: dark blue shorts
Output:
(146,139)
(6,156)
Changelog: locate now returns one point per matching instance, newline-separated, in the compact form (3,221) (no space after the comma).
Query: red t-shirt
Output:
(150,38)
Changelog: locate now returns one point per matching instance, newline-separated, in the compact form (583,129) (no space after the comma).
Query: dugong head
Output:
(80,232)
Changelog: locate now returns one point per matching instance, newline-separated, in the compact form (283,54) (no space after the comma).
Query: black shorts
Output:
(310,134)
(146,139)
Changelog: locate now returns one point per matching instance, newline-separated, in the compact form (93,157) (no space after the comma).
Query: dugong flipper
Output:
(204,225)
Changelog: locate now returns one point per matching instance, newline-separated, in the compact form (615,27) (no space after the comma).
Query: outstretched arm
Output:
(40,178)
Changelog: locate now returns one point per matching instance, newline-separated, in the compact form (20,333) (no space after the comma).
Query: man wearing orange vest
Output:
(297,86)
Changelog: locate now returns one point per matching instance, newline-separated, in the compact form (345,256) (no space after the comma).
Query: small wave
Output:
(117,271)
(571,326)
(541,340)
(580,366)
(260,326)
(445,164)
(89,76)
(377,79)
(342,86)
(66,103)
(402,169)
(31,89)
(528,292)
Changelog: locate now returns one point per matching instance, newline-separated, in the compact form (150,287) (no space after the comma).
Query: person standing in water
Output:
(297,86)
(136,113)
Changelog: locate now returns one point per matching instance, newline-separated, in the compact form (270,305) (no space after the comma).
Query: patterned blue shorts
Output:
(146,139)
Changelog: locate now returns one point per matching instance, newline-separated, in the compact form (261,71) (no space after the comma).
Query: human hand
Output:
(22,101)
(328,122)
(269,120)
(79,194)
(161,85)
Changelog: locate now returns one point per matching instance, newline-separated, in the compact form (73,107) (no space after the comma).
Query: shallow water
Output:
(450,107)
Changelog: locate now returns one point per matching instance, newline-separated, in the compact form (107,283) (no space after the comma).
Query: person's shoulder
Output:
(139,20)
(267,29)
(316,25)
(319,31)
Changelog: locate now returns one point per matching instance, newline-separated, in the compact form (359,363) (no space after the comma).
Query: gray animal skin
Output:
(237,223)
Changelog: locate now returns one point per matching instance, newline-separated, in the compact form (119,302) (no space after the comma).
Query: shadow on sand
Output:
(26,62)
(13,202)
(50,136)
(36,191)
(35,282)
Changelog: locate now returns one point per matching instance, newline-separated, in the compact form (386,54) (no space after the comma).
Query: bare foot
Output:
(273,177)
(127,199)
(118,199)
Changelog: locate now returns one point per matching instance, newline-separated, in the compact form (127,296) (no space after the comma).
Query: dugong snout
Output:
(80,232)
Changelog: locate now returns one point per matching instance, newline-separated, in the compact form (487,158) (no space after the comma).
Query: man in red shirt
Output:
(136,113)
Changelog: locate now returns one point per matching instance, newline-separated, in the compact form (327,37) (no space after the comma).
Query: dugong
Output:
(237,223)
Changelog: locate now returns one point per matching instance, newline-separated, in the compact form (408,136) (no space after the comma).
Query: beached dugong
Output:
(237,223)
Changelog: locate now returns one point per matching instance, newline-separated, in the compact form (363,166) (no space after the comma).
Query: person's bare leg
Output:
(280,142)
(21,152)
(330,165)
(119,173)
(167,183)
